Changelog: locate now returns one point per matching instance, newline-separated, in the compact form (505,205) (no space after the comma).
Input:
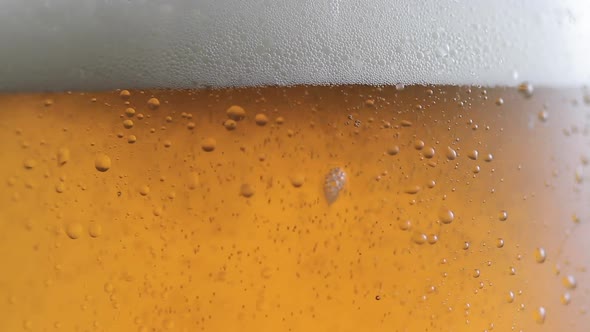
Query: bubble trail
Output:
(333,184)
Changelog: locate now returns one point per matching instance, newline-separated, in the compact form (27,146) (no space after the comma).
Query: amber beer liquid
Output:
(307,208)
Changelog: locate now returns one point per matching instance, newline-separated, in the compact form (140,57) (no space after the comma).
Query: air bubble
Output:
(412,190)
(235,113)
(128,123)
(432,238)
(297,180)
(153,103)
(526,89)
(131,139)
(503,215)
(144,190)
(476,273)
(334,183)
(230,124)
(129,111)
(261,119)
(393,150)
(74,230)
(499,101)
(405,225)
(208,144)
(499,243)
(428,152)
(95,230)
(125,94)
(419,238)
(246,190)
(543,116)
(102,162)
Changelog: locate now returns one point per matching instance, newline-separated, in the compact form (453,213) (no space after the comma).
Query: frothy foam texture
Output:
(89,45)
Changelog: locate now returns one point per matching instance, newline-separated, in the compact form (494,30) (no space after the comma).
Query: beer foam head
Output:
(86,44)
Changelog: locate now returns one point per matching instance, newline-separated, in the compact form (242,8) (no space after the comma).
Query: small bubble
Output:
(399,87)
(191,125)
(125,94)
(499,243)
(510,297)
(543,116)
(476,169)
(419,238)
(451,154)
(167,143)
(393,150)
(405,225)
(63,156)
(208,144)
(236,113)
(431,184)
(418,144)
(488,158)
(261,119)
(334,183)
(230,124)
(540,255)
(428,152)
(377,297)
(102,162)
(512,270)
(565,298)
(503,215)
(131,139)
(168,119)
(48,102)
(280,120)
(30,163)
(144,190)
(60,187)
(539,315)
(476,273)
(74,230)
(499,101)
(246,190)
(569,282)
(128,123)
(446,216)
(406,123)
(129,111)
(473,155)
(153,103)
(95,230)
(432,238)
(526,89)
(297,180)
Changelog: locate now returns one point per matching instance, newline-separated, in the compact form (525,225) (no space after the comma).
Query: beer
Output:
(305,208)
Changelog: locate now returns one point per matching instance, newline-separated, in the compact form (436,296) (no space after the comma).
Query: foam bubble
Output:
(90,45)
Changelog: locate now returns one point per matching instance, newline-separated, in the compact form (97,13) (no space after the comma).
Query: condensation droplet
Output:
(540,255)
(102,162)
(60,187)
(419,238)
(405,225)
(540,314)
(500,101)
(128,123)
(473,155)
(476,273)
(446,216)
(74,230)
(418,144)
(526,89)
(543,116)
(193,181)
(451,154)
(131,139)
(565,298)
(129,111)
(432,238)
(124,94)
(428,152)
(412,190)
(503,215)
(499,243)
(30,163)
(466,245)
(569,282)
(510,297)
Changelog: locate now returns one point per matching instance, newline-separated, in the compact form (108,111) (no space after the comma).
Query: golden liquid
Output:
(319,209)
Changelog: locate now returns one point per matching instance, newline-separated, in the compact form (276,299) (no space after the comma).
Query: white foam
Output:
(83,44)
